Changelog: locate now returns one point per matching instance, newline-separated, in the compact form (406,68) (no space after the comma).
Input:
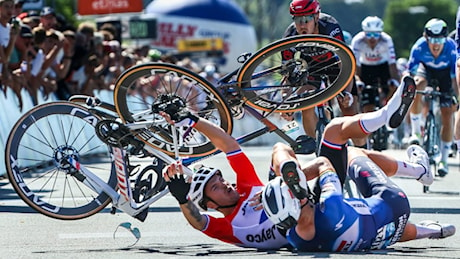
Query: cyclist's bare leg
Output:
(385,161)
(391,165)
(350,111)
(282,152)
(340,129)
(417,107)
(309,120)
(447,131)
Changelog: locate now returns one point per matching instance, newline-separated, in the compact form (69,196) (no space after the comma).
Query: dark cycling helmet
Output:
(304,7)
(199,181)
(436,28)
(281,207)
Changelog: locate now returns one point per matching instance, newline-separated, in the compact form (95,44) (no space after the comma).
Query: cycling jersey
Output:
(383,52)
(374,222)
(420,54)
(457,32)
(327,25)
(245,227)
(374,62)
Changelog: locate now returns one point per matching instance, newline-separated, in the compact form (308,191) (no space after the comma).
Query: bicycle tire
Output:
(34,147)
(431,138)
(320,126)
(102,109)
(200,96)
(380,139)
(266,66)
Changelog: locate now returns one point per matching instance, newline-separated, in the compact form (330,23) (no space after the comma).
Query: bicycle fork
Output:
(123,198)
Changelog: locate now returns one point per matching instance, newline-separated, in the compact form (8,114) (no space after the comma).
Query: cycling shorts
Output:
(370,96)
(372,182)
(376,75)
(440,79)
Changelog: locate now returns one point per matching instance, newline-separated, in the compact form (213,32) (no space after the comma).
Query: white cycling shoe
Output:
(446,230)
(417,155)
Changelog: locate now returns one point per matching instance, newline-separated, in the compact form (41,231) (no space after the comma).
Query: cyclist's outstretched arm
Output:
(173,174)
(219,138)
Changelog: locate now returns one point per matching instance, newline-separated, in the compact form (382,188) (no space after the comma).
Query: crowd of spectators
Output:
(52,57)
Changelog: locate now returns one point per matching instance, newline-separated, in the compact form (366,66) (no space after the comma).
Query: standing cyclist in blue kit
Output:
(432,61)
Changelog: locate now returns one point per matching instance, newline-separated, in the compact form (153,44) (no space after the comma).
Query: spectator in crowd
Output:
(48,18)
(18,4)
(8,34)
(31,19)
(20,60)
(84,80)
(62,70)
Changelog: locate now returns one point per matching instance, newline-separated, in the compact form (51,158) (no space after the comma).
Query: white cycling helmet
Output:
(281,207)
(372,24)
(436,28)
(199,180)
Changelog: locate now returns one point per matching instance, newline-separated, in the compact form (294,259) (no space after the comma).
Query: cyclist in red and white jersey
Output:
(375,61)
(308,19)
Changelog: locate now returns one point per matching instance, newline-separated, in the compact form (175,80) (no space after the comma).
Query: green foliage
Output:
(405,20)
(350,14)
(66,8)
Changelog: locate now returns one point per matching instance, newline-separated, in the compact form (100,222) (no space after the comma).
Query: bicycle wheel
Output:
(431,140)
(35,149)
(140,86)
(270,82)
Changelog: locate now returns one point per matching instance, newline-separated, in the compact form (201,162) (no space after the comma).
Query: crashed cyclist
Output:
(243,224)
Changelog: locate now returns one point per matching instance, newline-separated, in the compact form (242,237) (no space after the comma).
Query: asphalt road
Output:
(166,234)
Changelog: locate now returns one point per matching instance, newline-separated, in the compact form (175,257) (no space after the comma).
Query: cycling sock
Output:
(445,149)
(372,121)
(416,123)
(409,169)
(427,231)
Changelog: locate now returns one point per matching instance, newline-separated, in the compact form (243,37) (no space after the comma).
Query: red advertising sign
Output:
(93,7)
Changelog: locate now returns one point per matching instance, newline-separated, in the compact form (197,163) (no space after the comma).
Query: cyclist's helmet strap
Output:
(372,24)
(436,28)
(199,180)
(304,7)
(281,207)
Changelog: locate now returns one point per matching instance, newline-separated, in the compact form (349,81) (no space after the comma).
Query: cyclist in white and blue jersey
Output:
(334,223)
(432,62)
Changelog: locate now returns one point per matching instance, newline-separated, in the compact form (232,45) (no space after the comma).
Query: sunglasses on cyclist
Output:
(303,19)
(437,40)
(373,34)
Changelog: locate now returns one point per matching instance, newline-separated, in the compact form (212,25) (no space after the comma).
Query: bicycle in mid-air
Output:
(69,160)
